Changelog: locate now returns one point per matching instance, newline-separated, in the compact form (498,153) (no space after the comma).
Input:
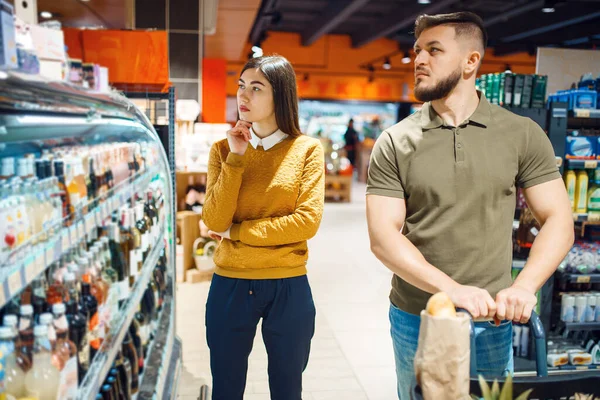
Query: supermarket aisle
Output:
(352,356)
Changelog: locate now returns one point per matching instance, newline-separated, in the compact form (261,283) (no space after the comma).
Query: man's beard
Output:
(441,90)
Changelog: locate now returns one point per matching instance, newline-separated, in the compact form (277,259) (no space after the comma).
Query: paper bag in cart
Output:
(442,359)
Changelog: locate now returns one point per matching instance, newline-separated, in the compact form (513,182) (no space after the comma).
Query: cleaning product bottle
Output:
(581,190)
(594,199)
(570,182)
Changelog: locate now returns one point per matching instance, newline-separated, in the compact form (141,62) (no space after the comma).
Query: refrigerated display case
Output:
(86,192)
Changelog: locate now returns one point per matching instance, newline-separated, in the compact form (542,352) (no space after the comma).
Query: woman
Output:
(264,200)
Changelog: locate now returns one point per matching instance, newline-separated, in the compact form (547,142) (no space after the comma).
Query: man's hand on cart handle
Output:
(515,304)
(476,301)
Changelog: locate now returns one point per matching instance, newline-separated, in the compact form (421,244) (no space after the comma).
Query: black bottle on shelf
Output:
(134,331)
(114,373)
(89,301)
(107,392)
(123,365)
(78,333)
(130,353)
(113,387)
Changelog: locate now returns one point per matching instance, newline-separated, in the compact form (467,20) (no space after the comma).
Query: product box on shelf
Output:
(527,91)
(8,42)
(188,230)
(581,147)
(518,90)
(509,86)
(538,98)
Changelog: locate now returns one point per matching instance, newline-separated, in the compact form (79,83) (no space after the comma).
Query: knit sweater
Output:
(273,201)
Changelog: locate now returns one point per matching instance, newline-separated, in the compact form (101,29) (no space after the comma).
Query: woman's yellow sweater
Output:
(273,201)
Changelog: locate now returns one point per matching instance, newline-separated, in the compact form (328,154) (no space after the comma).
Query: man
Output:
(441,198)
(352,142)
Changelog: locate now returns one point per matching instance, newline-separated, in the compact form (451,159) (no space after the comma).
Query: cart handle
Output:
(539,335)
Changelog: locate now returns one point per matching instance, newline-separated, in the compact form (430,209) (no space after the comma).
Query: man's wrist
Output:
(528,287)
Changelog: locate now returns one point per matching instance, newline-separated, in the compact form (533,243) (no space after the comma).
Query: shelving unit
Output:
(36,114)
(577,278)
(580,327)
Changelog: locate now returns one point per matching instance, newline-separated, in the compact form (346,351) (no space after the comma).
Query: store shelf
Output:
(582,164)
(579,278)
(107,353)
(584,113)
(27,261)
(592,367)
(163,364)
(584,326)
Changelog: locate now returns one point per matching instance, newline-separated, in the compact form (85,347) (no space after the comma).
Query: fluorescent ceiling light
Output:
(46,14)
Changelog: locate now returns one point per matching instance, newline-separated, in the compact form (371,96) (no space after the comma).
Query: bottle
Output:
(130,353)
(11,321)
(118,260)
(42,379)
(56,291)
(142,226)
(14,375)
(106,392)
(124,368)
(152,212)
(78,330)
(62,192)
(92,305)
(38,300)
(528,230)
(68,352)
(47,319)
(581,189)
(136,252)
(114,373)
(72,187)
(26,339)
(127,246)
(134,331)
(110,380)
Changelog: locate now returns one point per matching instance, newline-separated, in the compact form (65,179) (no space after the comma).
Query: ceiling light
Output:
(387,64)
(548,9)
(46,14)
(424,1)
(256,49)
(406,58)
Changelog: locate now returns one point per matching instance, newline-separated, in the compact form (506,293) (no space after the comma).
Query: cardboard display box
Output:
(188,230)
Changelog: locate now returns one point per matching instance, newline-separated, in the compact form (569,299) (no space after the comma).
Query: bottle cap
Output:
(27,310)
(59,308)
(6,333)
(10,320)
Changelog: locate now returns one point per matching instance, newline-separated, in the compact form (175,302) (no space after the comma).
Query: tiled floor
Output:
(351,357)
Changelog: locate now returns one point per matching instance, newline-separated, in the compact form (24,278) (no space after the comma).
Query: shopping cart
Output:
(545,387)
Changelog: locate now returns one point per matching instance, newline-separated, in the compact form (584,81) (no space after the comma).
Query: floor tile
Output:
(378,382)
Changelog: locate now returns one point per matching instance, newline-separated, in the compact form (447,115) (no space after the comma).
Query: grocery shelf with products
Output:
(86,251)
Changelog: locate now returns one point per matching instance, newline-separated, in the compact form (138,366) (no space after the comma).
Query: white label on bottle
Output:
(80,231)
(65,240)
(133,260)
(67,387)
(14,283)
(124,290)
(145,241)
(534,231)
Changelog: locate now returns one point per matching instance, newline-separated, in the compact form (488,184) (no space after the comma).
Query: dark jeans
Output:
(233,310)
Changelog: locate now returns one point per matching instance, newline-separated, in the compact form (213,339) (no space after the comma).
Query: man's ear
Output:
(473,61)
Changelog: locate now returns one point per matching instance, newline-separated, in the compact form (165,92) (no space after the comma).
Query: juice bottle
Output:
(14,376)
(68,351)
(42,379)
(581,191)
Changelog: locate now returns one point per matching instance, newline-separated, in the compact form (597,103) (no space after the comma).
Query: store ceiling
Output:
(513,25)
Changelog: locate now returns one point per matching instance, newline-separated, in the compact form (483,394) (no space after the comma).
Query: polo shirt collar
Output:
(269,141)
(482,115)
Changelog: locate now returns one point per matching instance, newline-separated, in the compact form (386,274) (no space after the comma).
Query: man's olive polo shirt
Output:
(459,185)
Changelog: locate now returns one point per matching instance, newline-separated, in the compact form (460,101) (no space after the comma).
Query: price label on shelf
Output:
(80,230)
(30,269)
(40,264)
(65,239)
(89,222)
(105,212)
(582,113)
(590,164)
(14,281)
(49,256)
(73,234)
(584,279)
(2,295)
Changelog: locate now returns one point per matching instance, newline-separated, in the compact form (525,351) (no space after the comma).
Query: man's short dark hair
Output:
(466,24)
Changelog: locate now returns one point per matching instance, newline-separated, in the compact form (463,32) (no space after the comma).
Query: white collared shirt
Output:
(269,141)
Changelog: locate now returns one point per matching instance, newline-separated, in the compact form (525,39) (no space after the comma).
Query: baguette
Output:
(440,305)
